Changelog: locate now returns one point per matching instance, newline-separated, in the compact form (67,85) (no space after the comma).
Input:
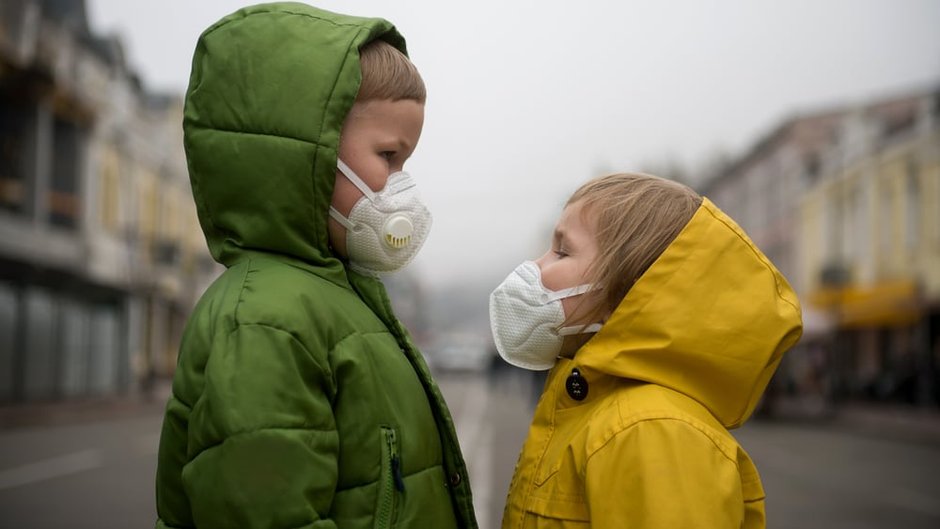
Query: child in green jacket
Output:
(299,399)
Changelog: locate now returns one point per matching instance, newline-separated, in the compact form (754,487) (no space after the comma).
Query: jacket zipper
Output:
(391,481)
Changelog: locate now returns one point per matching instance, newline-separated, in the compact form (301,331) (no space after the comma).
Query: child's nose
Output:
(542,260)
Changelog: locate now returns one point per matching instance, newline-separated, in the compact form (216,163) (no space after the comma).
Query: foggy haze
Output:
(529,99)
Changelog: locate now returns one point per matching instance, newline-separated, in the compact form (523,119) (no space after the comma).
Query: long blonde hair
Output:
(635,217)
(388,74)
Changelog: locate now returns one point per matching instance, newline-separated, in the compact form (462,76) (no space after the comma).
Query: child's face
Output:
(573,249)
(377,138)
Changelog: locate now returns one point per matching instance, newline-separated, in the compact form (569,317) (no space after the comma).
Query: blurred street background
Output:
(815,125)
(92,465)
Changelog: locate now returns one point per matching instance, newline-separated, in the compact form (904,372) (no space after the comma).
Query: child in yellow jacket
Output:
(662,324)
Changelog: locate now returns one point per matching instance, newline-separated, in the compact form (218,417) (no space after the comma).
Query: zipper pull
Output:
(396,473)
(396,461)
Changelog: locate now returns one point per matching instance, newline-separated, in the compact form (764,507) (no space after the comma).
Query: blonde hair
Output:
(635,217)
(388,74)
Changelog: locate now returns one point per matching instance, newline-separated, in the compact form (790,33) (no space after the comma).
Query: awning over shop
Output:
(886,304)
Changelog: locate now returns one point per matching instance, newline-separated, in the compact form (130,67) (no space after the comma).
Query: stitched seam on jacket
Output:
(254,431)
(325,370)
(562,497)
(248,270)
(253,133)
(241,292)
(279,12)
(636,422)
(326,105)
(762,258)
(329,98)
(534,482)
(360,334)
(775,273)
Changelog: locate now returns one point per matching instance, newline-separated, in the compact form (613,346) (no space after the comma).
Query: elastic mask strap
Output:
(548,297)
(338,217)
(579,329)
(356,181)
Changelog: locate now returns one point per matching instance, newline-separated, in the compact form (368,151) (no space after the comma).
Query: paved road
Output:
(99,474)
(830,479)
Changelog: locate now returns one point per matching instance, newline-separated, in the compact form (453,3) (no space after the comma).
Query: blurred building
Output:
(762,189)
(871,240)
(846,202)
(101,255)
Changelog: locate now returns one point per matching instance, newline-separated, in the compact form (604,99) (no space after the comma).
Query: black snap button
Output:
(576,385)
(455,479)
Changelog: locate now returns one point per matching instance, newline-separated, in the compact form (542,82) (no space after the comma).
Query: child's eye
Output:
(560,253)
(388,155)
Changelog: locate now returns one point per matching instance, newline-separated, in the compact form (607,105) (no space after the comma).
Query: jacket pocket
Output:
(560,495)
(565,512)
(391,483)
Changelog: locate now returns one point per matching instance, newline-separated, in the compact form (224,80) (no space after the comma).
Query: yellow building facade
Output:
(869,249)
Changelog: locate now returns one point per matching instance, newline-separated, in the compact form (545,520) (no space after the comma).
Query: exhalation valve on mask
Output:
(398,231)
(386,228)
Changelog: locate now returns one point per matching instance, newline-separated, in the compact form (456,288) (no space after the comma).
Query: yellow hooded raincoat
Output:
(685,357)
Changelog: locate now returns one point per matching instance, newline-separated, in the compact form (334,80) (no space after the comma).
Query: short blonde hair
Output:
(388,74)
(635,217)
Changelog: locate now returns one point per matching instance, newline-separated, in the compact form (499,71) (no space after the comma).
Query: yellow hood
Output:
(711,318)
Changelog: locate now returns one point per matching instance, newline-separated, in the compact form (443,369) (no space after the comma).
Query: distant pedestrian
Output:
(299,399)
(661,323)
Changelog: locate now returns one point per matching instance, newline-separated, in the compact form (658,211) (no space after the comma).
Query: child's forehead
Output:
(386,121)
(580,212)
(385,107)
(576,219)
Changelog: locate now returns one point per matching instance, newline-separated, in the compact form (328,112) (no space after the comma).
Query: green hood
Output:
(262,126)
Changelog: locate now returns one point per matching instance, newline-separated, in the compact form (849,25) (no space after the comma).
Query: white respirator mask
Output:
(527,318)
(385,229)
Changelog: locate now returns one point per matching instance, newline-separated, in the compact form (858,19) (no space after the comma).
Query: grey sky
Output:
(528,99)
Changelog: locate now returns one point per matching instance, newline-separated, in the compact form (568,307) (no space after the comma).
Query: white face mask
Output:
(385,229)
(526,318)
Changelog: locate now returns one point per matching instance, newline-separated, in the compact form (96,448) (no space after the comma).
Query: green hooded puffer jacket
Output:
(299,399)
